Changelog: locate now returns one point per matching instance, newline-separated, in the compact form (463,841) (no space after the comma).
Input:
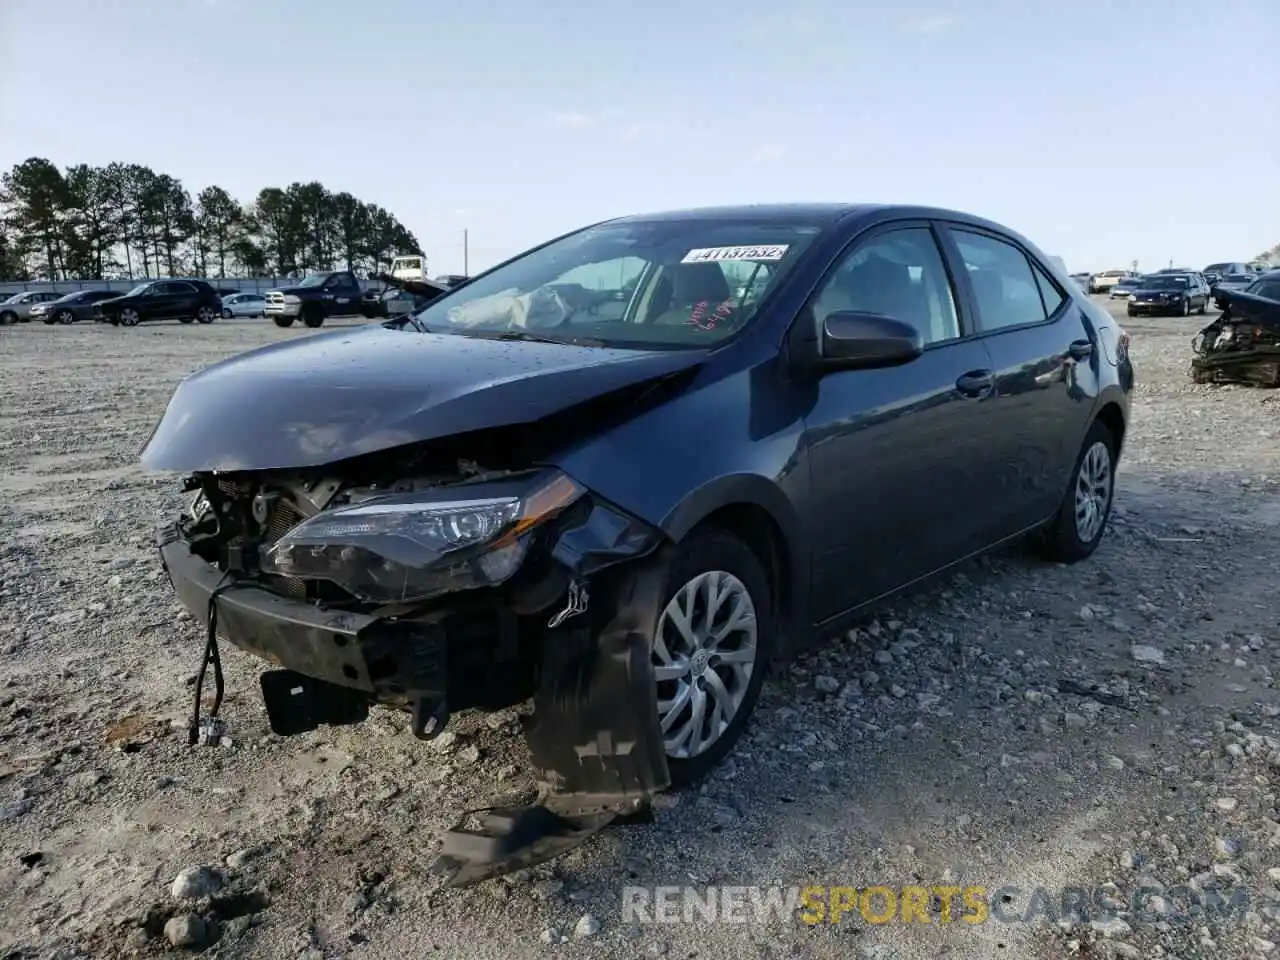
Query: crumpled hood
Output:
(310,402)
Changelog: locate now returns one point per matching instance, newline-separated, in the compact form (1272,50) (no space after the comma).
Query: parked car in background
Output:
(181,300)
(1216,271)
(17,308)
(1123,288)
(624,516)
(1232,281)
(72,307)
(1104,281)
(334,293)
(243,305)
(1169,293)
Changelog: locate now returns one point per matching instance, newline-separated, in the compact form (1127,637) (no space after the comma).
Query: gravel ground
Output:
(1017,724)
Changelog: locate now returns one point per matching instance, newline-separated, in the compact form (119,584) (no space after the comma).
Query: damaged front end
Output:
(438,591)
(1241,345)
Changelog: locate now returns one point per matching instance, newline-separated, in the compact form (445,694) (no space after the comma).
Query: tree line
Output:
(126,221)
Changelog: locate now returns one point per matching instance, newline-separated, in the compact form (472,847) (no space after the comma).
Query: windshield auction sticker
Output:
(774,251)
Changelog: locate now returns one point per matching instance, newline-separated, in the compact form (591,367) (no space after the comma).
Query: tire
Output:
(66,317)
(129,317)
(704,555)
(1204,307)
(206,315)
(7,318)
(313,317)
(1131,312)
(1064,539)
(1184,308)
(283,321)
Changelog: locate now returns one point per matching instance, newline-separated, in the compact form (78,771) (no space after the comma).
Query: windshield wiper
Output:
(526,337)
(396,323)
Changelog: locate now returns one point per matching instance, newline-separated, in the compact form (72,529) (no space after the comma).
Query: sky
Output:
(1107,131)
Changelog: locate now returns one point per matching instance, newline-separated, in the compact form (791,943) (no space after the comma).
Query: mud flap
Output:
(595,741)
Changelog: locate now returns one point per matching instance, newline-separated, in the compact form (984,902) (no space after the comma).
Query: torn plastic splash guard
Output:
(595,741)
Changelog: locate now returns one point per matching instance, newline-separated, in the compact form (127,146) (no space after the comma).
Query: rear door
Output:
(895,454)
(186,298)
(1045,353)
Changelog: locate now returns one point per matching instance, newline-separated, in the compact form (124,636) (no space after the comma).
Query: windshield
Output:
(315,280)
(1216,267)
(70,297)
(654,284)
(1165,282)
(13,297)
(139,290)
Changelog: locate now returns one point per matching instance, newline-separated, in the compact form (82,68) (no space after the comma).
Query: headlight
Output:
(404,548)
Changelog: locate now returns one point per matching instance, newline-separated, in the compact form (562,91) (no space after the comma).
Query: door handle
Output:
(976,384)
(1080,349)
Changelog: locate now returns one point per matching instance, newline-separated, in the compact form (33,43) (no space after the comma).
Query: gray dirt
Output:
(931,745)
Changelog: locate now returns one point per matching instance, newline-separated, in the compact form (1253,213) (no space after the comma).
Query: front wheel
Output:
(206,315)
(129,317)
(66,316)
(283,321)
(711,649)
(1184,309)
(1077,529)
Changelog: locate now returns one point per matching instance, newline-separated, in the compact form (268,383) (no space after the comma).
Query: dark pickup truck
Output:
(334,294)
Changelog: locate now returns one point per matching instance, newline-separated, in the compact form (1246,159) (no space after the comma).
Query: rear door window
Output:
(1004,284)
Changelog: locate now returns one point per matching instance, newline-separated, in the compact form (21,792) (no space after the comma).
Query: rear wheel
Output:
(283,321)
(1077,529)
(7,318)
(711,649)
(313,317)
(206,315)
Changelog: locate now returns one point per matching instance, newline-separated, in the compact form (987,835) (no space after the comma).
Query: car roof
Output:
(819,214)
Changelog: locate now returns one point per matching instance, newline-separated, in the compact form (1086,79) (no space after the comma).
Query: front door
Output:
(896,456)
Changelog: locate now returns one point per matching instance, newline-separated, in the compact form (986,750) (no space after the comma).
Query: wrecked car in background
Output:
(618,473)
(1242,344)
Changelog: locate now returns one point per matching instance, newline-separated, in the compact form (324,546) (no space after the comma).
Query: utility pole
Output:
(466,266)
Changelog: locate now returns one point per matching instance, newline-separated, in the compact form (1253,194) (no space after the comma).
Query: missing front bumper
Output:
(594,741)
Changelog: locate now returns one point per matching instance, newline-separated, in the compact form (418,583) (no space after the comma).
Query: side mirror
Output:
(852,340)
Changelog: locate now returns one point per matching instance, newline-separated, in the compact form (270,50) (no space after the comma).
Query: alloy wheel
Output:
(205,315)
(66,316)
(129,317)
(704,654)
(1093,492)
